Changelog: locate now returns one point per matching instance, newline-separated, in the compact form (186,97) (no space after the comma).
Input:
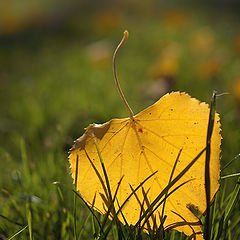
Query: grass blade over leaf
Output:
(172,183)
(207,228)
(170,179)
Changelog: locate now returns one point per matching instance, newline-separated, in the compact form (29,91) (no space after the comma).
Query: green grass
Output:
(50,90)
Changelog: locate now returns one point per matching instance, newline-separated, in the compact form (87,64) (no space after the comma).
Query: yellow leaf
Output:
(150,141)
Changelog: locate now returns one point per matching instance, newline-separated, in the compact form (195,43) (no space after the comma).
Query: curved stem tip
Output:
(123,41)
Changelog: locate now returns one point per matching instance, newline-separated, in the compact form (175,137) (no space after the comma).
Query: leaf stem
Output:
(123,41)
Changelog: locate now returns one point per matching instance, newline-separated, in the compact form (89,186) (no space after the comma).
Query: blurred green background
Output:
(56,78)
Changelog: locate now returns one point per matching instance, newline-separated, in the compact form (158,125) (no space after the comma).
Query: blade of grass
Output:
(184,220)
(154,228)
(82,227)
(75,202)
(132,193)
(170,179)
(142,207)
(86,204)
(26,168)
(18,232)
(231,175)
(177,178)
(124,219)
(126,200)
(59,192)
(223,193)
(104,172)
(160,234)
(172,237)
(151,210)
(207,223)
(120,234)
(98,174)
(93,227)
(30,224)
(233,160)
(183,223)
(106,189)
(232,201)
(10,220)
(214,216)
(110,207)
(235,225)
(219,228)
(173,182)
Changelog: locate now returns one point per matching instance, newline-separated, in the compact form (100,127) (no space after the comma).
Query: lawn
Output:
(56,79)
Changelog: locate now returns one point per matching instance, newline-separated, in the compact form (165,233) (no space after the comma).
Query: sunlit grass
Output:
(50,90)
